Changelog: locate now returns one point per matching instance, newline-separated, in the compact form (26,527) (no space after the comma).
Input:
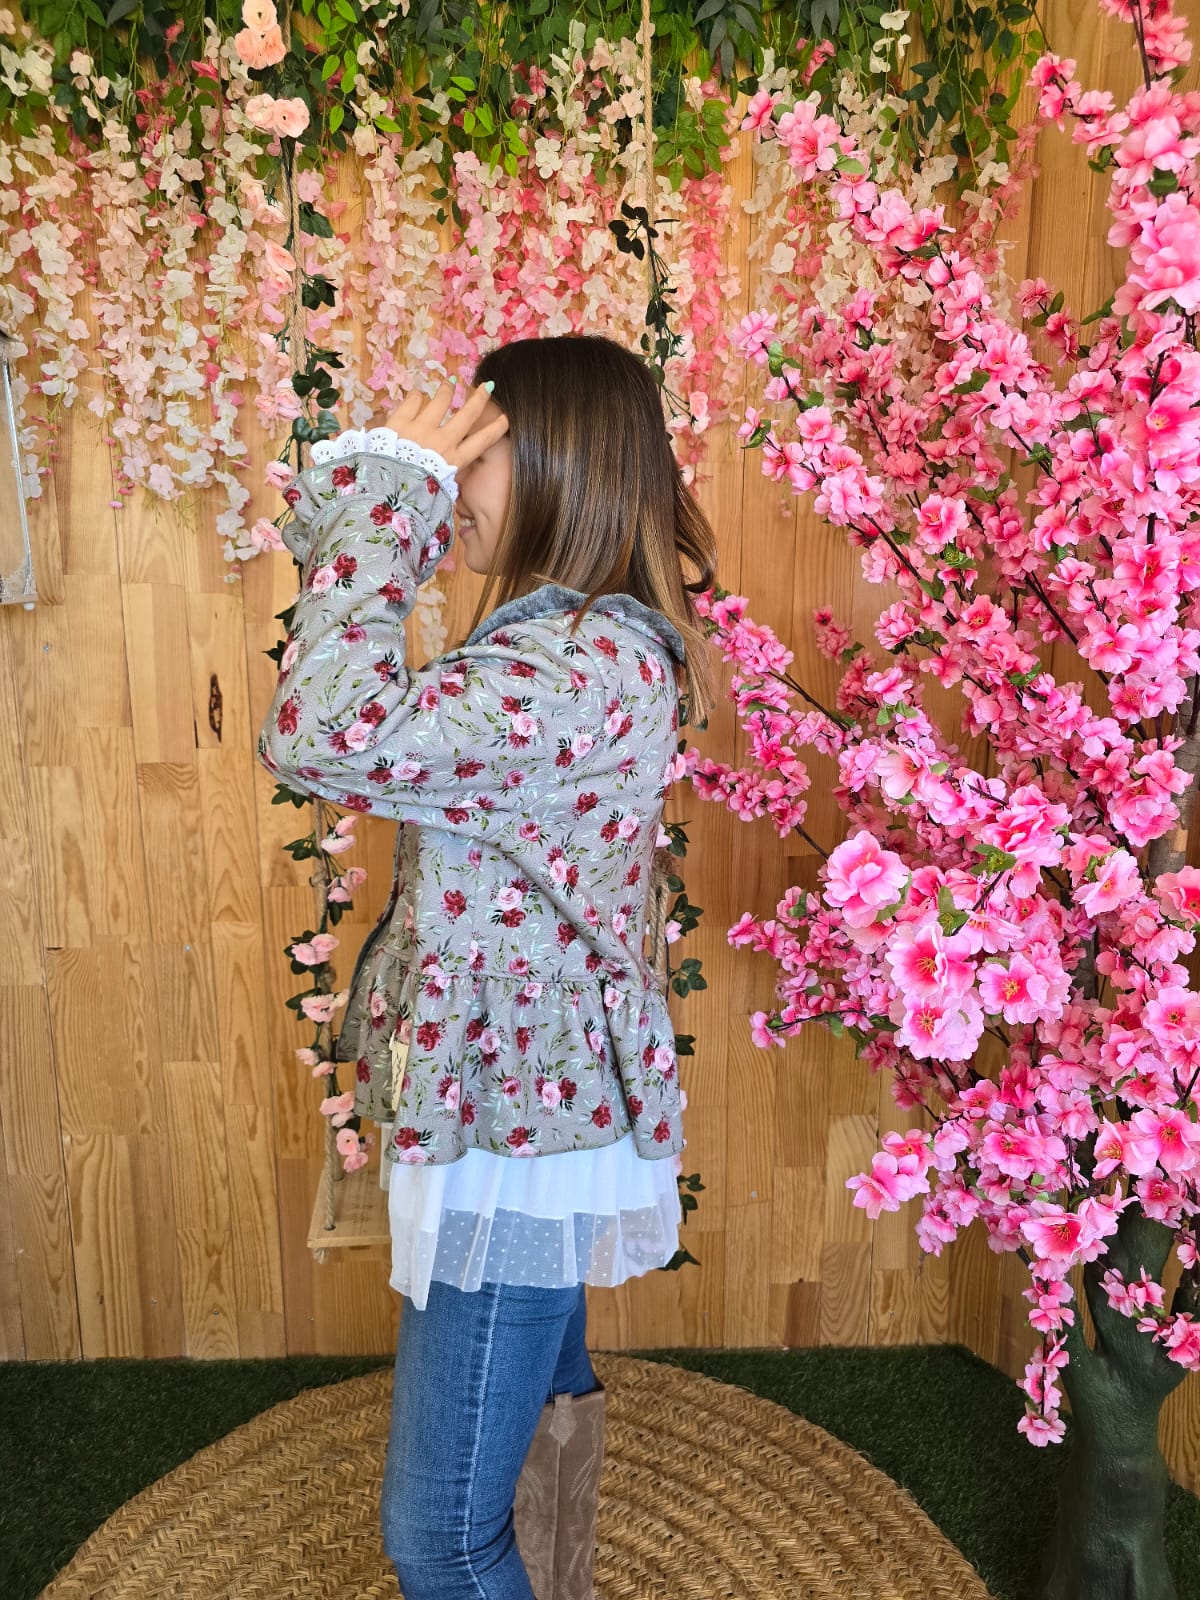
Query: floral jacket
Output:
(503,999)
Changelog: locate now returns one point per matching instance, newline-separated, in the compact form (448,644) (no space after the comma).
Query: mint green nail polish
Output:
(490,385)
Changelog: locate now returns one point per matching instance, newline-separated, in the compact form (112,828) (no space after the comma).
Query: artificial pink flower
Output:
(926,963)
(321,1007)
(758,111)
(1018,992)
(260,48)
(1054,1233)
(1040,1429)
(891,1180)
(861,878)
(315,951)
(940,1030)
(1170,1136)
(1117,880)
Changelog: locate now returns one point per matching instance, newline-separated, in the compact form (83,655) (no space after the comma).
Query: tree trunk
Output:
(1108,1543)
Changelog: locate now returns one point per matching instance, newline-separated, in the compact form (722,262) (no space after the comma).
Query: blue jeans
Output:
(473,1371)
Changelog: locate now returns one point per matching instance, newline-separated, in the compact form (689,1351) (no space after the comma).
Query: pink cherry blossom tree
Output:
(1010,945)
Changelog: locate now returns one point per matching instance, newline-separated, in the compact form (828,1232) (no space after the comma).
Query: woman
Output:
(503,1007)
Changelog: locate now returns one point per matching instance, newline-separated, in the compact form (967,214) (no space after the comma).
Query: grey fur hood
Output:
(551,597)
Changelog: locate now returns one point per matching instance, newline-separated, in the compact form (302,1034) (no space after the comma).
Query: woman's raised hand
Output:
(460,437)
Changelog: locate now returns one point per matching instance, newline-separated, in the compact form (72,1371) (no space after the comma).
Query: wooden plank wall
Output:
(161,1146)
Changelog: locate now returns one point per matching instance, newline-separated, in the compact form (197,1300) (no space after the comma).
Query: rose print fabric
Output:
(503,1000)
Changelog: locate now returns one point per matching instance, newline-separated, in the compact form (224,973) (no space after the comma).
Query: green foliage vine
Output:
(959,83)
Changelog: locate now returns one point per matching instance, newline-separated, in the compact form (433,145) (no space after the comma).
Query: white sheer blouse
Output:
(580,1216)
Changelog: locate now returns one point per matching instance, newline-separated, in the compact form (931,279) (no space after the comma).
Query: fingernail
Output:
(490,385)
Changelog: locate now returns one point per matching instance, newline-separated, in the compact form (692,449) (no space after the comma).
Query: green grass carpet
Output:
(78,1439)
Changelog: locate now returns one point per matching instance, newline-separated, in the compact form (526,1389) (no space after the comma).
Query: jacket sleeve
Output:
(459,743)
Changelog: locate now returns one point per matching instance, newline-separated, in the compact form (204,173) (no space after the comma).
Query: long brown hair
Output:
(597,502)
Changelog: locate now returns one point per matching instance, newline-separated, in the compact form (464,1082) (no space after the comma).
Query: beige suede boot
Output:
(557,1503)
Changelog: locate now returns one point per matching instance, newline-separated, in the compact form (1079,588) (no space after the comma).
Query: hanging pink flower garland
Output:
(186,294)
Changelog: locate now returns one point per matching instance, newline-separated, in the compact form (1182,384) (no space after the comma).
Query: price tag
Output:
(398,1049)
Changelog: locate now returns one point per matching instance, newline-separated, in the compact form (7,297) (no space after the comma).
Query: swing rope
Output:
(658,891)
(647,122)
(298,353)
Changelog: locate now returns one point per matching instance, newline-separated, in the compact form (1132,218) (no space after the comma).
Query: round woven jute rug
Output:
(707,1493)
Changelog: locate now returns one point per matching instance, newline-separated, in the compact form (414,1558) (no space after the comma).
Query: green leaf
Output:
(992,858)
(311,220)
(285,796)
(954,557)
(950,918)
(973,384)
(1104,311)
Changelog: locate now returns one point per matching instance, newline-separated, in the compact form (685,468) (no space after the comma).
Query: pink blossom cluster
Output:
(534,258)
(1178,1333)
(1023,915)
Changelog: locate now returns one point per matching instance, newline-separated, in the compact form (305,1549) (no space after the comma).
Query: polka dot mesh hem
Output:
(586,1216)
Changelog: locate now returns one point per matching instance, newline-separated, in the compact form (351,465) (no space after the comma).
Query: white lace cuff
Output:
(386,442)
